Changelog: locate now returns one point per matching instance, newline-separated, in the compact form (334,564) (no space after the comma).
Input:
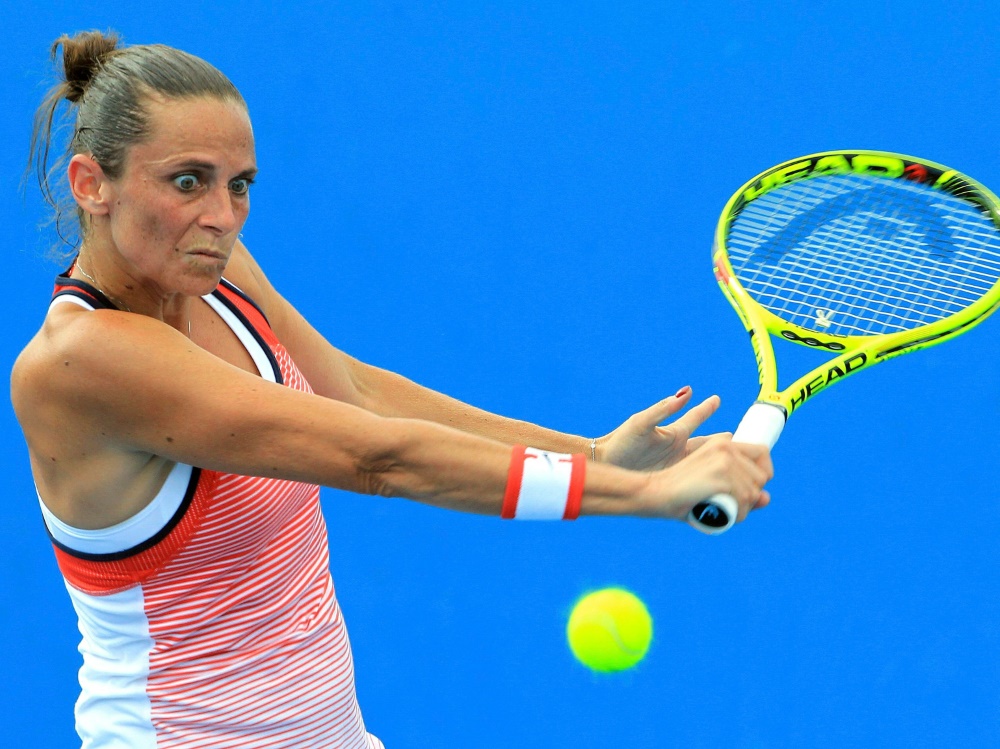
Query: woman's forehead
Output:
(201,124)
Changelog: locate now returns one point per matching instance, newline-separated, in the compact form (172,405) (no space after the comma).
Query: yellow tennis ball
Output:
(609,630)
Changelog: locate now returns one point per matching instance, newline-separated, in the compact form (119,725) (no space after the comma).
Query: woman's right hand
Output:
(719,465)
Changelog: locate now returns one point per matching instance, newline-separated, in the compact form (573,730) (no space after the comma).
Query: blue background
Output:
(514,203)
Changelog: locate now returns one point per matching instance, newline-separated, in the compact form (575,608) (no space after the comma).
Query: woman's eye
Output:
(240,186)
(186,182)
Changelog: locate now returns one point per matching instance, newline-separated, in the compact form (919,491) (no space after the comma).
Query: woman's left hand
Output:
(642,445)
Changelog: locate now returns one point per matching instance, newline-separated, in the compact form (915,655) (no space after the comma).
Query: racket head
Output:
(866,254)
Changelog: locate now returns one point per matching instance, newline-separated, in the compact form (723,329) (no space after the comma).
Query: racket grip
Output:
(761,425)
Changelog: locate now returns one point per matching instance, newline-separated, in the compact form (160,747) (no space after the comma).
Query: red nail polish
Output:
(683,391)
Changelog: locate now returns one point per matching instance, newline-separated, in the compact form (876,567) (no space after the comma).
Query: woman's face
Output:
(177,209)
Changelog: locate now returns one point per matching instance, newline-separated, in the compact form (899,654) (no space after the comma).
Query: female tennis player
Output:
(181,415)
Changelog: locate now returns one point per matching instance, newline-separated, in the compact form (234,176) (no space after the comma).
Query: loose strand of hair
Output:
(46,129)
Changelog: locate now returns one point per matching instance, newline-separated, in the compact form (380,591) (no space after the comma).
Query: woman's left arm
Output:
(640,443)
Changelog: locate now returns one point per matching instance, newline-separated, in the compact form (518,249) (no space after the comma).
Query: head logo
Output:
(878,165)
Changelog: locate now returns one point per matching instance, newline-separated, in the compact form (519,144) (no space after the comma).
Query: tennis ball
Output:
(609,630)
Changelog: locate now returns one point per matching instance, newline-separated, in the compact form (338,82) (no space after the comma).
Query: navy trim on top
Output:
(231,306)
(90,293)
(86,291)
(150,542)
(240,293)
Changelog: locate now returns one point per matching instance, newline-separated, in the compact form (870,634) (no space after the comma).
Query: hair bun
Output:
(83,55)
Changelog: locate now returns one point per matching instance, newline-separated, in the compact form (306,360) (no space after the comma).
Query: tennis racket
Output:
(863,254)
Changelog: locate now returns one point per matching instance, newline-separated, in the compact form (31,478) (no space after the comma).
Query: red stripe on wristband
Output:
(514,475)
(575,495)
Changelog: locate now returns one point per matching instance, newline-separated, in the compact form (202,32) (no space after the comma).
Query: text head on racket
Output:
(864,255)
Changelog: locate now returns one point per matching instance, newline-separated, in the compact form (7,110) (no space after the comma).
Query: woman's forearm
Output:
(388,394)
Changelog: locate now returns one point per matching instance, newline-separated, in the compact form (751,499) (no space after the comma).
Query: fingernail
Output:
(683,391)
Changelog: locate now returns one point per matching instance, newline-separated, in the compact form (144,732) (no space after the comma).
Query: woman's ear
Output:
(86,178)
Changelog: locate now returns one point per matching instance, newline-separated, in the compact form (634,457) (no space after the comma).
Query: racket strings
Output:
(860,255)
(910,277)
(906,272)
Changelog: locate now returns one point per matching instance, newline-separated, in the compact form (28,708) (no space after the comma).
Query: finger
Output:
(759,454)
(758,474)
(762,499)
(695,442)
(748,481)
(663,410)
(699,414)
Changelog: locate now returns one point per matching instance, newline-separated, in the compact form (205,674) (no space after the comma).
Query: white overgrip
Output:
(760,425)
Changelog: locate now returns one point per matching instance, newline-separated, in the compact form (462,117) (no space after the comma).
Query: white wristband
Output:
(543,485)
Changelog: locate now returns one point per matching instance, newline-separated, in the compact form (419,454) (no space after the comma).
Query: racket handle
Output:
(761,425)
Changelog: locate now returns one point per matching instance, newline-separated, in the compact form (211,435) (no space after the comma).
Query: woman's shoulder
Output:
(72,349)
(70,333)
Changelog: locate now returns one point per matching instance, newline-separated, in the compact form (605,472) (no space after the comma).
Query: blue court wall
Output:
(514,203)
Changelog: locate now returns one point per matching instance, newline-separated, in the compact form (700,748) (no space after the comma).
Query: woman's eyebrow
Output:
(208,167)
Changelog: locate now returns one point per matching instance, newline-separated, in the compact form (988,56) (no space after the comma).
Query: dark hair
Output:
(108,86)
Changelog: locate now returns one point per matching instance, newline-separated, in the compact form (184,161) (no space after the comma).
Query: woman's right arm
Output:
(130,383)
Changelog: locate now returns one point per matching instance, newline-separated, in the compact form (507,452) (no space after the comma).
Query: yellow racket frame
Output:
(855,352)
